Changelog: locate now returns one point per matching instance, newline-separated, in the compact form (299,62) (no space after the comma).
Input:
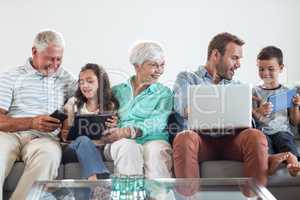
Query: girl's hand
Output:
(296,100)
(64,134)
(112,122)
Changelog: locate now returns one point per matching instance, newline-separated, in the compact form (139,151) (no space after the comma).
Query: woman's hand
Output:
(112,122)
(115,134)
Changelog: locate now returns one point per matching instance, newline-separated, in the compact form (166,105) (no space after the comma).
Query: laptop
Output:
(90,125)
(219,107)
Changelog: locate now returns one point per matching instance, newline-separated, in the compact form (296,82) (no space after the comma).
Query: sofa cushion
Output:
(221,168)
(283,178)
(234,169)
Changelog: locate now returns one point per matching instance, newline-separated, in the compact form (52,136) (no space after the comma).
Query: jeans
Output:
(88,156)
(282,142)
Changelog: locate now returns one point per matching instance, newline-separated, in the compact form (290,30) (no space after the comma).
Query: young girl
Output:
(93,96)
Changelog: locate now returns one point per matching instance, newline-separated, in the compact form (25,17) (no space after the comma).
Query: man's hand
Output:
(45,123)
(115,134)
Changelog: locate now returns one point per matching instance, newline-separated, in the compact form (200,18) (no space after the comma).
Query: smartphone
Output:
(61,116)
(283,100)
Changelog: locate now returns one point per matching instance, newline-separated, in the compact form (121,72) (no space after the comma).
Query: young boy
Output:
(275,125)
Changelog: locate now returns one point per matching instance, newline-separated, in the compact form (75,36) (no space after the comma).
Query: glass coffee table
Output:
(154,189)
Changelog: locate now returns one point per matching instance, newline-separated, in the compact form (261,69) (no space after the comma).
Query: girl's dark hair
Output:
(107,101)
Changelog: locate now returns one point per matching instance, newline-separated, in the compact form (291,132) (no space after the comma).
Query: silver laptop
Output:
(219,107)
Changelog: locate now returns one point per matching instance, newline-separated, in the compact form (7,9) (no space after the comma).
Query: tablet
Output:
(282,100)
(90,125)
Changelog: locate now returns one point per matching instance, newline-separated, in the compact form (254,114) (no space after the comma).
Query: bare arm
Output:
(40,123)
(294,112)
(9,124)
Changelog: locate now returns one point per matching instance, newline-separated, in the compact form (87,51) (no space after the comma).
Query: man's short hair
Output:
(145,50)
(269,52)
(220,42)
(45,37)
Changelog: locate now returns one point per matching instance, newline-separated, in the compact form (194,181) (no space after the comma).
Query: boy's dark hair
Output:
(270,52)
(220,42)
(107,101)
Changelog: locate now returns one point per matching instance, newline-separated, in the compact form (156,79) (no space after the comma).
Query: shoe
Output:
(103,176)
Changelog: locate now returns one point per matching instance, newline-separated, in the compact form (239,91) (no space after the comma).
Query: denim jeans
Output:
(282,142)
(88,156)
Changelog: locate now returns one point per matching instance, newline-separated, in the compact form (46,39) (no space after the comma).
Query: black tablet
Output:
(90,125)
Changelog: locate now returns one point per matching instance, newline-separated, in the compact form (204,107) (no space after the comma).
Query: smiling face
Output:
(88,84)
(150,71)
(230,61)
(47,61)
(269,70)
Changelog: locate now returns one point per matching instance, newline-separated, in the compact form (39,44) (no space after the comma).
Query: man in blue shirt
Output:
(190,148)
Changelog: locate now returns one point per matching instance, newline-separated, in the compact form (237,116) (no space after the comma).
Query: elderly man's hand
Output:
(115,134)
(45,123)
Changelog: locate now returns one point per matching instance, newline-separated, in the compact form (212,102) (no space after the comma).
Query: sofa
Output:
(281,184)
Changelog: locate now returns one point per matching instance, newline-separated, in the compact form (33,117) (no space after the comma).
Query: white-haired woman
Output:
(140,144)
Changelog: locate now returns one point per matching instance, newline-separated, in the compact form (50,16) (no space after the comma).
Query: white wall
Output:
(102,31)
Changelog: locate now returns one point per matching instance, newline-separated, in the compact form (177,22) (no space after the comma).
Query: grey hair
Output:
(45,37)
(145,50)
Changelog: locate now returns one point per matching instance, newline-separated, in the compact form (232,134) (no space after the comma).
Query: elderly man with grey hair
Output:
(29,94)
(140,143)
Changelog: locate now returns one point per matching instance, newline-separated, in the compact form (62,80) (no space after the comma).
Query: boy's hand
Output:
(296,100)
(265,109)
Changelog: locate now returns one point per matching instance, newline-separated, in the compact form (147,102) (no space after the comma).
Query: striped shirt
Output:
(24,92)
